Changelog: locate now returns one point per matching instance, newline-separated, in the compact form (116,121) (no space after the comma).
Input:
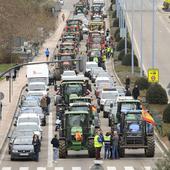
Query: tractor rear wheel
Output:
(91,149)
(62,149)
(121,150)
(105,114)
(150,151)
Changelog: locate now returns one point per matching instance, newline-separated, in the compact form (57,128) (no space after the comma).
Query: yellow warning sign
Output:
(153,75)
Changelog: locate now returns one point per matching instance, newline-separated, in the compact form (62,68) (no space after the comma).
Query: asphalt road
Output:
(162,38)
(134,160)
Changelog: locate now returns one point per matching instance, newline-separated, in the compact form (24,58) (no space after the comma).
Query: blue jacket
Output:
(47,52)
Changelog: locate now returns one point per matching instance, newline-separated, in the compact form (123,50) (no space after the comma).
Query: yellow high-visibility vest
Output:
(97,144)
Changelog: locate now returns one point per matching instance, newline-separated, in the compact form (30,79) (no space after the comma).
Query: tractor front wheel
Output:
(150,151)
(62,149)
(91,149)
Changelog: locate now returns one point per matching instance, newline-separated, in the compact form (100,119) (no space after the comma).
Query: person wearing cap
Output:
(107,139)
(98,143)
(114,145)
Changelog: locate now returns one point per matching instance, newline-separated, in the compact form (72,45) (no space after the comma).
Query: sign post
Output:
(153,75)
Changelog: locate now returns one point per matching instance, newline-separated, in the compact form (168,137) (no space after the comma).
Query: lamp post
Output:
(132,53)
(153,33)
(141,42)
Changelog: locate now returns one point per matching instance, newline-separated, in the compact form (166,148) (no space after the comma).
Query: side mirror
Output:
(15,124)
(47,89)
(26,90)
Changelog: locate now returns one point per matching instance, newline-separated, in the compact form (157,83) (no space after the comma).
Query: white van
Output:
(38,73)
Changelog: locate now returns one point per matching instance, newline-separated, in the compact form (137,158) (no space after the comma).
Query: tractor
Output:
(135,133)
(76,133)
(166,4)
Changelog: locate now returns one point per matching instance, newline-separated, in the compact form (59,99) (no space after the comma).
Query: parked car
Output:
(22,148)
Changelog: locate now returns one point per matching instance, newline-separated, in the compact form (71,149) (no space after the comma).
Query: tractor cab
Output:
(74,22)
(135,133)
(80,8)
(124,104)
(77,133)
(79,99)
(97,25)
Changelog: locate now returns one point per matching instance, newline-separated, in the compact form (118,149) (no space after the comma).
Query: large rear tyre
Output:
(121,150)
(91,149)
(150,151)
(105,114)
(62,149)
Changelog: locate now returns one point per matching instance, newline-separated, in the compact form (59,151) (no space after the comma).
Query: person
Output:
(135,92)
(107,145)
(0,110)
(57,123)
(108,51)
(127,82)
(36,144)
(63,17)
(128,92)
(78,136)
(43,104)
(48,100)
(114,145)
(98,143)
(47,53)
(55,143)
(95,59)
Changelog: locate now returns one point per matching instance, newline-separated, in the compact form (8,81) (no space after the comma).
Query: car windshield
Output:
(109,95)
(65,58)
(95,53)
(21,133)
(129,106)
(102,83)
(37,87)
(74,89)
(79,108)
(23,120)
(30,103)
(89,66)
(23,141)
(27,127)
(69,73)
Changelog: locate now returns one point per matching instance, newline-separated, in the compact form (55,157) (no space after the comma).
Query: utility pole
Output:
(153,33)
(141,41)
(132,53)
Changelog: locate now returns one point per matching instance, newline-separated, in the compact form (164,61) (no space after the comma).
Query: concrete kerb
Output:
(11,124)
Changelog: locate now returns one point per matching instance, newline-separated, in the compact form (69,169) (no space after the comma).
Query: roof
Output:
(80,104)
(76,112)
(74,78)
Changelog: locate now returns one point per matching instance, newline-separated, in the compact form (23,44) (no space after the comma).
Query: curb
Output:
(8,131)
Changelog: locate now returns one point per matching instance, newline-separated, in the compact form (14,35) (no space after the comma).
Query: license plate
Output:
(23,154)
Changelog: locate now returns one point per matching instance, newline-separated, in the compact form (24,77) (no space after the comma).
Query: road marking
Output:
(6,168)
(50,135)
(76,168)
(59,168)
(111,168)
(129,168)
(147,168)
(24,168)
(41,168)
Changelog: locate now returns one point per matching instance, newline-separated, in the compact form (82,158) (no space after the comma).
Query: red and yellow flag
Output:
(147,117)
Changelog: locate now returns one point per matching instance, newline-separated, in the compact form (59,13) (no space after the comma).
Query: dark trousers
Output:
(107,151)
(115,154)
(36,156)
(98,150)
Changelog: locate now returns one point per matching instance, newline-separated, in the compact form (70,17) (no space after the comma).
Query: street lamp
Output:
(141,42)
(132,53)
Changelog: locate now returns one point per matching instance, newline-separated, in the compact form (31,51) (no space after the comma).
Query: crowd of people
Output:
(109,141)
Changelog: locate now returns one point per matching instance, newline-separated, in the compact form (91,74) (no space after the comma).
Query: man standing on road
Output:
(127,82)
(55,143)
(47,53)
(98,143)
(114,144)
(107,146)
(48,104)
(135,92)
(36,144)
(43,104)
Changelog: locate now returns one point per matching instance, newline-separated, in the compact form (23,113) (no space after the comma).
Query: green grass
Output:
(5,67)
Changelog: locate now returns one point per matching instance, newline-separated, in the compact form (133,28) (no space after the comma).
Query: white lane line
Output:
(41,168)
(59,168)
(147,168)
(111,168)
(129,168)
(76,168)
(6,168)
(50,135)
(24,168)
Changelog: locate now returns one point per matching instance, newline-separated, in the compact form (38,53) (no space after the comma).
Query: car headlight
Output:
(15,151)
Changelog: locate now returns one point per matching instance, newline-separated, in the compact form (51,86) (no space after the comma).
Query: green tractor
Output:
(166,4)
(76,122)
(74,98)
(135,133)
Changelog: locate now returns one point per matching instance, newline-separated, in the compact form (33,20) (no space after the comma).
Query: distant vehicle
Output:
(68,73)
(94,72)
(22,148)
(89,65)
(61,2)
(38,73)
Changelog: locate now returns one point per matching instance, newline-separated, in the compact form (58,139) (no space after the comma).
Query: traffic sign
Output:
(153,75)
(1,95)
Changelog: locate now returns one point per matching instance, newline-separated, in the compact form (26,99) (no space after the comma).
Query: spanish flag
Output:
(148,118)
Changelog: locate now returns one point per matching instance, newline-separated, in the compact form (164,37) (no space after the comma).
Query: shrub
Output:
(166,114)
(142,83)
(117,35)
(156,94)
(116,22)
(114,14)
(121,44)
(122,53)
(127,60)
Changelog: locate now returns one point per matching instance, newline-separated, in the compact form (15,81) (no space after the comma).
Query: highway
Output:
(134,159)
(162,38)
